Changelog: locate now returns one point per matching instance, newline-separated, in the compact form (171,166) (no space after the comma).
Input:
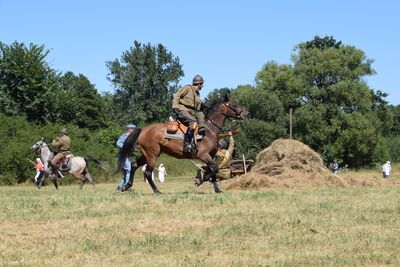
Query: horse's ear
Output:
(226,98)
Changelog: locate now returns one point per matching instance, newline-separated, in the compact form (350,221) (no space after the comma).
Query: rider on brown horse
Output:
(188,108)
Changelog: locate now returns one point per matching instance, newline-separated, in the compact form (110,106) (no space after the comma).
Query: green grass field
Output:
(187,226)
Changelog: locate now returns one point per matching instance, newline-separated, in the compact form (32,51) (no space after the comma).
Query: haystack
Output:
(292,164)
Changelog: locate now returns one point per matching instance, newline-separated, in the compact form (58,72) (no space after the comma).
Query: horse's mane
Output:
(213,106)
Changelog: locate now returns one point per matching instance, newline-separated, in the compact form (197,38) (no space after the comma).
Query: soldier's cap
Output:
(131,126)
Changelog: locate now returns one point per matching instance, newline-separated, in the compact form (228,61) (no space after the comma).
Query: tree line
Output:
(334,110)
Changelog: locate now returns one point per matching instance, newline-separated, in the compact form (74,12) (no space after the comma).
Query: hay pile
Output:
(292,164)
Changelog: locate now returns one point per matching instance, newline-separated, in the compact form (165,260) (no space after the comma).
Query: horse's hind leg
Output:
(89,177)
(151,163)
(134,166)
(81,177)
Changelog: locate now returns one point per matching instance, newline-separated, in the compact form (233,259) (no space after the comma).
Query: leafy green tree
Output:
(77,101)
(25,77)
(340,114)
(145,79)
(283,82)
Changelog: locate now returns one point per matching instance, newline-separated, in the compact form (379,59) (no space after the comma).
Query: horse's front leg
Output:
(213,168)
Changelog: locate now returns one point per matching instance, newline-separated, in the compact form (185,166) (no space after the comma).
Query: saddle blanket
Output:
(180,136)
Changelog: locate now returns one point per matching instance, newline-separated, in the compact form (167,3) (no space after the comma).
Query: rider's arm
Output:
(121,141)
(56,142)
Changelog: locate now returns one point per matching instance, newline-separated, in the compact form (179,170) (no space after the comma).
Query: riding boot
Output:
(55,171)
(202,124)
(187,141)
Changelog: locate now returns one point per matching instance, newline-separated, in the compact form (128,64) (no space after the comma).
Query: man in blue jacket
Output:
(127,165)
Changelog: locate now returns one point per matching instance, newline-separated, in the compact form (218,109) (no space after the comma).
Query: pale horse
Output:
(77,166)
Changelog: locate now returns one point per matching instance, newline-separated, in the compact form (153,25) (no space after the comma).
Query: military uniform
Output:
(223,158)
(188,108)
(187,102)
(63,143)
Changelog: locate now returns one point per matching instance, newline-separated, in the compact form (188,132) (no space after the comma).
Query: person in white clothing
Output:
(162,172)
(386,168)
(143,170)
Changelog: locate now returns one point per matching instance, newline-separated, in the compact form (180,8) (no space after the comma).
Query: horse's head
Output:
(38,145)
(233,110)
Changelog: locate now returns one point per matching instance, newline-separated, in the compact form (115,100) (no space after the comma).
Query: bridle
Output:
(237,113)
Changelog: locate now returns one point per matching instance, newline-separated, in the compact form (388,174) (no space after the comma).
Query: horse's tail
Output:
(127,148)
(101,163)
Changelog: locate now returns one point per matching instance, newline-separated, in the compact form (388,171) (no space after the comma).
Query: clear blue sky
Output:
(227,42)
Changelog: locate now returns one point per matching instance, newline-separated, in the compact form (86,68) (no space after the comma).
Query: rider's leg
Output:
(189,120)
(202,123)
(187,141)
(54,163)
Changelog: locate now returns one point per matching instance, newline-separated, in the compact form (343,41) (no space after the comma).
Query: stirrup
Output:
(188,149)
(60,174)
(202,131)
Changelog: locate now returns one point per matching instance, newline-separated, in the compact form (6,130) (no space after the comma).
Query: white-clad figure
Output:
(162,172)
(386,168)
(143,170)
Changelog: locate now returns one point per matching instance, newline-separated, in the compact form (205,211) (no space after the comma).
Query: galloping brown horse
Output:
(152,143)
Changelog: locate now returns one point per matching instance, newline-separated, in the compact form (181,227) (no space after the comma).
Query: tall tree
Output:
(77,101)
(339,107)
(145,79)
(25,77)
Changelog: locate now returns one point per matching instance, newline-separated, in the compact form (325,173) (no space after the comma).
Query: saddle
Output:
(177,130)
(66,163)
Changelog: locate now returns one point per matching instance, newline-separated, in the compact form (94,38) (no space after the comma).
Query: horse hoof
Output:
(157,192)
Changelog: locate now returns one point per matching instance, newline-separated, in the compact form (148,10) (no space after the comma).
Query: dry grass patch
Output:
(187,226)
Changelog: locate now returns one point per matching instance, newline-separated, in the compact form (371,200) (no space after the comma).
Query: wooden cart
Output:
(239,167)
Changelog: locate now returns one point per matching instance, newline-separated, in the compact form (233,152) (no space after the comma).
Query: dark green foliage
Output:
(17,135)
(341,116)
(255,135)
(145,80)
(25,77)
(76,101)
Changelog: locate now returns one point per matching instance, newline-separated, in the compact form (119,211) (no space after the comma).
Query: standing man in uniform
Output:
(63,143)
(188,108)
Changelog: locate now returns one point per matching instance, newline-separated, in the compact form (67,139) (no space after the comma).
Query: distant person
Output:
(335,167)
(386,168)
(39,170)
(144,170)
(162,172)
(127,165)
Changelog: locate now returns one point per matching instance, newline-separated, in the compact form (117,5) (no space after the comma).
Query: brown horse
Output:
(152,143)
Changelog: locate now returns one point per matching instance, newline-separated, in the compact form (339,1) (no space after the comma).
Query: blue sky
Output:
(227,42)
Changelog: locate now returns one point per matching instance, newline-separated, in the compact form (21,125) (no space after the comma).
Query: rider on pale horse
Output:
(63,143)
(188,108)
